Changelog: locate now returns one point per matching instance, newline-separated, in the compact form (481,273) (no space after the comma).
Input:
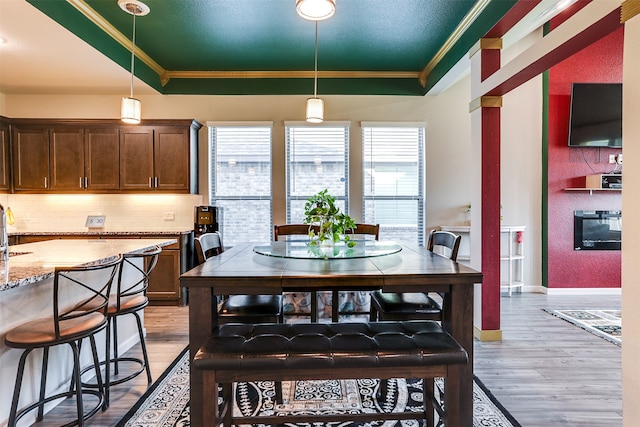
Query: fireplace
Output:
(597,230)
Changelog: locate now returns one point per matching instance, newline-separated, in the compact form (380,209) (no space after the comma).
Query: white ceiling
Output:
(42,57)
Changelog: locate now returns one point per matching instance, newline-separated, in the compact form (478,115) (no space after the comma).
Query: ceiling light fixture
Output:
(316,10)
(315,105)
(131,108)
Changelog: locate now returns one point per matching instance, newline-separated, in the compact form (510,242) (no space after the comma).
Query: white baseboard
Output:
(583,291)
(567,291)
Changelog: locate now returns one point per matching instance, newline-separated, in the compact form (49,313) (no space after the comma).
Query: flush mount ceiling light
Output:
(315,105)
(131,108)
(316,10)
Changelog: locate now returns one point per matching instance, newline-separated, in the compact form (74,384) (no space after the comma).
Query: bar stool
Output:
(70,323)
(129,298)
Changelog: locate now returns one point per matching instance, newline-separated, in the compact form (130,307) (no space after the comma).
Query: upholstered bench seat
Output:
(279,352)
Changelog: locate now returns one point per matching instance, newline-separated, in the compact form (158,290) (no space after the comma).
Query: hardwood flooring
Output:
(545,371)
(548,372)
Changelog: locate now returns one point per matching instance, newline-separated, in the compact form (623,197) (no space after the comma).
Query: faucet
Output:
(4,236)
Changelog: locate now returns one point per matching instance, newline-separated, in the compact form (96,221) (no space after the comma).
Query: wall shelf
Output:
(591,190)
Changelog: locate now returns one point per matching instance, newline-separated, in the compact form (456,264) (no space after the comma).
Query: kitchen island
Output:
(26,283)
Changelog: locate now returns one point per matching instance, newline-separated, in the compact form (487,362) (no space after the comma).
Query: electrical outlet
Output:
(619,159)
(169,216)
(612,158)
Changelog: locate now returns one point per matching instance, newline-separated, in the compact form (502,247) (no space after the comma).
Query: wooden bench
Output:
(314,351)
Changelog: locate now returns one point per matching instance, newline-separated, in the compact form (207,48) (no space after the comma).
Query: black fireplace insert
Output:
(597,230)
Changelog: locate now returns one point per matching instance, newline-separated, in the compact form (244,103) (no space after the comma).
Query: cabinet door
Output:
(164,283)
(5,181)
(171,159)
(136,158)
(102,159)
(66,147)
(30,158)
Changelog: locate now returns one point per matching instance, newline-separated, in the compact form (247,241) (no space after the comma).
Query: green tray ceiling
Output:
(243,47)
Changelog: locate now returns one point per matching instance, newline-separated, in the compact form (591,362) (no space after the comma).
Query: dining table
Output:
(282,266)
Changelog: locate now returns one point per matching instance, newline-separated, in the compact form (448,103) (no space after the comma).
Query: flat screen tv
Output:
(596,115)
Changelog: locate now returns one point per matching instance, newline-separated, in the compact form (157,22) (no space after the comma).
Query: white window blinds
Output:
(317,157)
(240,181)
(393,180)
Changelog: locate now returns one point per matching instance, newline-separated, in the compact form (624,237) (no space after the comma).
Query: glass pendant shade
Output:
(315,110)
(316,10)
(131,110)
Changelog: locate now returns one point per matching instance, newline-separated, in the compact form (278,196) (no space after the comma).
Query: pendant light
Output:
(316,10)
(130,108)
(315,105)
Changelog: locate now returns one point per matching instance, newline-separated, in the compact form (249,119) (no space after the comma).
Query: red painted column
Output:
(486,110)
(490,223)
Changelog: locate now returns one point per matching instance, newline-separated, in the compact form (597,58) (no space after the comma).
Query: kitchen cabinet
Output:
(5,168)
(65,159)
(155,159)
(30,155)
(103,156)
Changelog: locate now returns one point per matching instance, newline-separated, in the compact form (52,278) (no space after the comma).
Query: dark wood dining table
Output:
(241,270)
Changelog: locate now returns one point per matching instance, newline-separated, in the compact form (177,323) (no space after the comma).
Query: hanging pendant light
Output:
(315,105)
(316,10)
(131,108)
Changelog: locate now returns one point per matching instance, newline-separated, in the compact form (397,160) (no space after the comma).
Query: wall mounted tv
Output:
(596,115)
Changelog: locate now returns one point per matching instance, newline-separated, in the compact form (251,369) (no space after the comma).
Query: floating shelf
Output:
(591,190)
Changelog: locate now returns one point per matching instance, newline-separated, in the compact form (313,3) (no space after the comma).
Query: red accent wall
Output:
(600,62)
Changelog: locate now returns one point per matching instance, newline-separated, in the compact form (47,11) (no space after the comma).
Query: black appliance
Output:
(597,230)
(207,219)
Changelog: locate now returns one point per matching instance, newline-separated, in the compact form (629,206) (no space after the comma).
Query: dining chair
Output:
(354,298)
(69,323)
(295,301)
(239,308)
(415,305)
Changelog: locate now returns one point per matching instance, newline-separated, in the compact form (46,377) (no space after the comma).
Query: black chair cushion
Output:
(405,303)
(329,345)
(251,305)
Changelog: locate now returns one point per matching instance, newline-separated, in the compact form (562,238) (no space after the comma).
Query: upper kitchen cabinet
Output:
(5,169)
(159,158)
(30,153)
(102,156)
(64,159)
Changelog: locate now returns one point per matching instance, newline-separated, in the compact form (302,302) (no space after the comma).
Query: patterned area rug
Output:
(606,324)
(166,403)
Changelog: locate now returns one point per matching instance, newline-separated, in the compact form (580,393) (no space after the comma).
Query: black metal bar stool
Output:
(128,298)
(69,323)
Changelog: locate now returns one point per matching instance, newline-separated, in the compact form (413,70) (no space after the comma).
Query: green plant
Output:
(320,210)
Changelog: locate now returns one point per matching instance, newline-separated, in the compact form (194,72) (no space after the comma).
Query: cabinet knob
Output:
(150,182)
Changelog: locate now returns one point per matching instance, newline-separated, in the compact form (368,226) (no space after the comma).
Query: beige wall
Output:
(631,246)
(447,135)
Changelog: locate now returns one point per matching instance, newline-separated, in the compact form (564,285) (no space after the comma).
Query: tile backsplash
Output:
(124,212)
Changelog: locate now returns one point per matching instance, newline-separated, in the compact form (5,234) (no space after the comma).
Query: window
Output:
(317,158)
(240,174)
(393,179)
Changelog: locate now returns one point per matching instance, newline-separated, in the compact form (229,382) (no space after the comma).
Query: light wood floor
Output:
(545,371)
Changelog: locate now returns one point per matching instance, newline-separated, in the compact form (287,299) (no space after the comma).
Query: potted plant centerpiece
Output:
(320,210)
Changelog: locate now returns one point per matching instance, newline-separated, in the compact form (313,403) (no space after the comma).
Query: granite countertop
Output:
(98,232)
(33,262)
